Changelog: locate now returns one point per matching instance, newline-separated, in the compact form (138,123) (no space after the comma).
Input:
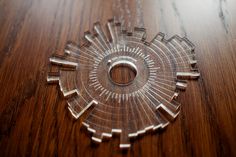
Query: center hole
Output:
(122,72)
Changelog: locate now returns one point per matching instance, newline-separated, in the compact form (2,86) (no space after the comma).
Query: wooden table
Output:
(34,120)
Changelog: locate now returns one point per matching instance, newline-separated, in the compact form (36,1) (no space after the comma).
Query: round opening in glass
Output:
(122,72)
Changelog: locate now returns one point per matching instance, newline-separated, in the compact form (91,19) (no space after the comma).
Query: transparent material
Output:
(128,107)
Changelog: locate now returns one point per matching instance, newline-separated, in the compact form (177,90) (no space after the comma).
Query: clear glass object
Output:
(144,100)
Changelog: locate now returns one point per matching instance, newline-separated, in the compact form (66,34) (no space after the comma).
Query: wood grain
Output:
(34,120)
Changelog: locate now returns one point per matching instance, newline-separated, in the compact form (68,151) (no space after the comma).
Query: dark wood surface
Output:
(34,120)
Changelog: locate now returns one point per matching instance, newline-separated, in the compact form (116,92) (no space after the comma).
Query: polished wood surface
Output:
(34,120)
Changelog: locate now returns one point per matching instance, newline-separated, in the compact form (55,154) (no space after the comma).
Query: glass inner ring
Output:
(122,72)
